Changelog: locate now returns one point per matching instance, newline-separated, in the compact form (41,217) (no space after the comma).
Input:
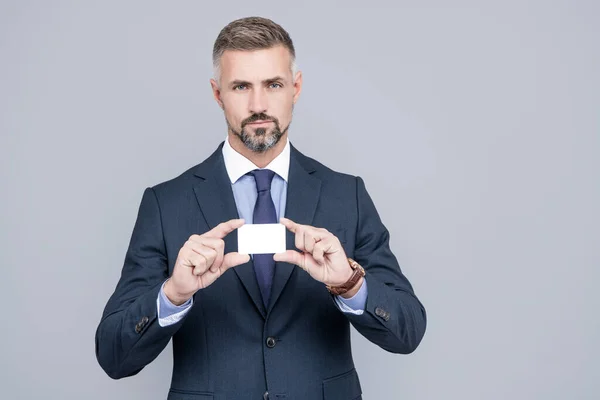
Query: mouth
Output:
(260,122)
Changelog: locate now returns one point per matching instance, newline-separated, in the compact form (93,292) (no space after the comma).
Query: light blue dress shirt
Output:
(244,193)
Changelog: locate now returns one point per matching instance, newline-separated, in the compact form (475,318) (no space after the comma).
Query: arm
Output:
(129,336)
(355,304)
(169,313)
(393,317)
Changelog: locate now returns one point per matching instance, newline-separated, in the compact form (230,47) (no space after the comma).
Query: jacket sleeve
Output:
(394,318)
(129,336)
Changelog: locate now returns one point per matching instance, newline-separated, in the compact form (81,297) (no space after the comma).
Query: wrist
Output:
(353,284)
(174,297)
(352,292)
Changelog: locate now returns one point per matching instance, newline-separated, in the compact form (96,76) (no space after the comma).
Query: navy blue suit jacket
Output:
(229,346)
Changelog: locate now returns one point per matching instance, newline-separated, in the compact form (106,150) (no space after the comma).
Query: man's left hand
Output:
(323,256)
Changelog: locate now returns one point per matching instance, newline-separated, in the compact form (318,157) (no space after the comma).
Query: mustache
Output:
(259,117)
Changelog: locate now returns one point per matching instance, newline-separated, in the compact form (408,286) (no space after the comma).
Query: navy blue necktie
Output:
(264,213)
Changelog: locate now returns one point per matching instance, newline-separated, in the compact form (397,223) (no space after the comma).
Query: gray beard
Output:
(261,141)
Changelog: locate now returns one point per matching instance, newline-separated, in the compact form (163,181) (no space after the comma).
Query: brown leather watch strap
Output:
(358,273)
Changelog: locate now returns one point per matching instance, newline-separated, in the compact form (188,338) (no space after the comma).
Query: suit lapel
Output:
(303,192)
(215,198)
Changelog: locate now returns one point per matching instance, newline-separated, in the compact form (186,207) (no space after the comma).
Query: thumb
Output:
(234,259)
(290,256)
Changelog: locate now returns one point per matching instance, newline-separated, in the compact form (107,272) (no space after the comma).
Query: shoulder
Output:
(322,171)
(183,182)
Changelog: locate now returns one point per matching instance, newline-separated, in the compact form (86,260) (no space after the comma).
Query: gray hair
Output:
(251,33)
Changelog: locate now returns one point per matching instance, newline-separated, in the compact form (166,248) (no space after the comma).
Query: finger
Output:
(207,252)
(289,224)
(224,228)
(299,239)
(319,253)
(229,260)
(233,259)
(218,245)
(306,236)
(219,259)
(209,277)
(196,262)
(328,244)
(207,241)
(309,240)
(290,256)
(199,270)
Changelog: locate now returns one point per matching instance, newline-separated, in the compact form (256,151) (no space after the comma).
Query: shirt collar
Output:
(237,165)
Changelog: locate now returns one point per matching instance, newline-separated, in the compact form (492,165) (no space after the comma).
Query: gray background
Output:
(476,126)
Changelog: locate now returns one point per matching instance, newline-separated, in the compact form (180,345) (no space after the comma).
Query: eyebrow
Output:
(265,81)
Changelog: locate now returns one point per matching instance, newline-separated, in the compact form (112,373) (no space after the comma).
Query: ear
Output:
(216,92)
(297,86)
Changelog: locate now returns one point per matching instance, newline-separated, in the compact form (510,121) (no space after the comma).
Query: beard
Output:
(262,139)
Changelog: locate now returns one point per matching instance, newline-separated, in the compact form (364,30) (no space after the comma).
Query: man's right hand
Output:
(201,261)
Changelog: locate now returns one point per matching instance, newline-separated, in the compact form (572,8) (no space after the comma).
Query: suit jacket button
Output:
(266,396)
(379,312)
(270,344)
(140,325)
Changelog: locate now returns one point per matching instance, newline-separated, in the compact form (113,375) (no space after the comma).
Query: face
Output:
(257,93)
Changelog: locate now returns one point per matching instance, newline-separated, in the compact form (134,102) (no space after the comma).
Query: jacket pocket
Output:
(342,387)
(178,394)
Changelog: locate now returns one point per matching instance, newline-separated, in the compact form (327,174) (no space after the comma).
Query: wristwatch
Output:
(358,273)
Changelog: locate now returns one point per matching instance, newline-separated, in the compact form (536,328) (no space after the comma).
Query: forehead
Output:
(255,64)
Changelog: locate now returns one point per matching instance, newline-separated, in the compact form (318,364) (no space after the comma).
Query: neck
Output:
(261,160)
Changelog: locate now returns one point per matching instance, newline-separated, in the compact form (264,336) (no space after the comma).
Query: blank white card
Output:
(261,239)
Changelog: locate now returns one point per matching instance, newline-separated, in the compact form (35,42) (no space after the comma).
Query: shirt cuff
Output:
(355,304)
(169,313)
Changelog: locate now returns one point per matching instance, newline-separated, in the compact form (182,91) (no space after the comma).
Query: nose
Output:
(258,102)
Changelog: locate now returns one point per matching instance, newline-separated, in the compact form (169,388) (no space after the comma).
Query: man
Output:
(257,327)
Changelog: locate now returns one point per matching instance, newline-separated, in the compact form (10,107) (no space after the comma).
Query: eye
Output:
(275,85)
(240,87)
